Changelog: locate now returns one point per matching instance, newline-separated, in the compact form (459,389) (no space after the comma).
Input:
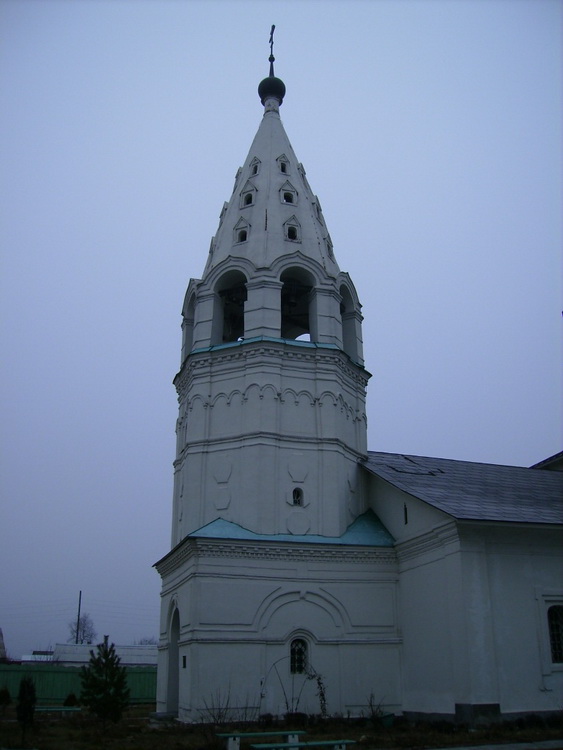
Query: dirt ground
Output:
(138,732)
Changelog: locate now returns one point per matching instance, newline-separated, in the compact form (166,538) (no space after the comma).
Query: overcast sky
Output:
(431,131)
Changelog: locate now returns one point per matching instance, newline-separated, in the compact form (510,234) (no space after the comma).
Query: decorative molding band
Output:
(263,438)
(198,635)
(268,550)
(247,351)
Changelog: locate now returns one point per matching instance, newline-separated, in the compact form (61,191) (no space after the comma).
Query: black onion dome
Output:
(271,87)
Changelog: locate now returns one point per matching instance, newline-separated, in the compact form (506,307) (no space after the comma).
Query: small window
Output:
(283,164)
(183,661)
(241,230)
(288,194)
(292,230)
(298,656)
(298,496)
(248,199)
(555,621)
(254,166)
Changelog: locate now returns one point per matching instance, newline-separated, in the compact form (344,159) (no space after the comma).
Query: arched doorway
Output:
(172,693)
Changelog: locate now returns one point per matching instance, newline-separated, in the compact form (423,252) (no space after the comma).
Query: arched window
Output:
(242,235)
(297,496)
(298,656)
(295,303)
(555,621)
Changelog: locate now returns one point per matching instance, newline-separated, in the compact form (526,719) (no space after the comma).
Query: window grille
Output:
(555,620)
(298,656)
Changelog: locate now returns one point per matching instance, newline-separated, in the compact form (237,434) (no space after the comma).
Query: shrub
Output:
(25,708)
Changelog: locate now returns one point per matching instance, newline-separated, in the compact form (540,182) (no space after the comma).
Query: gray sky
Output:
(431,131)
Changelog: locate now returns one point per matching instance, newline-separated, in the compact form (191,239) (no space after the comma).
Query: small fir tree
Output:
(104,684)
(25,708)
(5,699)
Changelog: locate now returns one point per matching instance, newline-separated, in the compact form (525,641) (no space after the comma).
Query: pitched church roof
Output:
(475,491)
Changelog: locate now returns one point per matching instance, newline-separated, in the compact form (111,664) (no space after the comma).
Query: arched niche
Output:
(296,297)
(228,313)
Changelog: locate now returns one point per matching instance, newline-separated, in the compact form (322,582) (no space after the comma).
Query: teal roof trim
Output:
(291,342)
(366,531)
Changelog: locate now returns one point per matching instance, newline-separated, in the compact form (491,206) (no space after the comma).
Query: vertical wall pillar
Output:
(208,325)
(262,310)
(325,317)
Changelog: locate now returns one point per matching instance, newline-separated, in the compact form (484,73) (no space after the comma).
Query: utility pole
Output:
(78,617)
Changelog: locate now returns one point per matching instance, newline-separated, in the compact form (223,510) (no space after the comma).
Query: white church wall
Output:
(473,609)
(405,516)
(241,606)
(522,568)
(434,645)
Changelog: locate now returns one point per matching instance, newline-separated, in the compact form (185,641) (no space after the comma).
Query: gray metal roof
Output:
(474,491)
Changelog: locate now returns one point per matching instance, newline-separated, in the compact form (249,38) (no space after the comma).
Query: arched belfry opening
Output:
(188,327)
(296,295)
(228,317)
(348,318)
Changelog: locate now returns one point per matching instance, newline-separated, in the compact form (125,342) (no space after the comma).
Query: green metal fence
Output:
(53,682)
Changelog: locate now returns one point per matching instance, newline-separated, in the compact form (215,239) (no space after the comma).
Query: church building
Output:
(306,573)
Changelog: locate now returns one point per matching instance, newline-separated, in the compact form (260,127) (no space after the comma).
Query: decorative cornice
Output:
(437,539)
(264,437)
(296,552)
(243,353)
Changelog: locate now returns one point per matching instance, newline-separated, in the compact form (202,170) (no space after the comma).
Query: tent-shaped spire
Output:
(272,211)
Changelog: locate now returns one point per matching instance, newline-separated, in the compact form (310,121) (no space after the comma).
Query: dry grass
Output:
(137,732)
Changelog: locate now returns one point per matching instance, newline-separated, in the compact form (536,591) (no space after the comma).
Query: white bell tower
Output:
(272,383)
(271,430)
